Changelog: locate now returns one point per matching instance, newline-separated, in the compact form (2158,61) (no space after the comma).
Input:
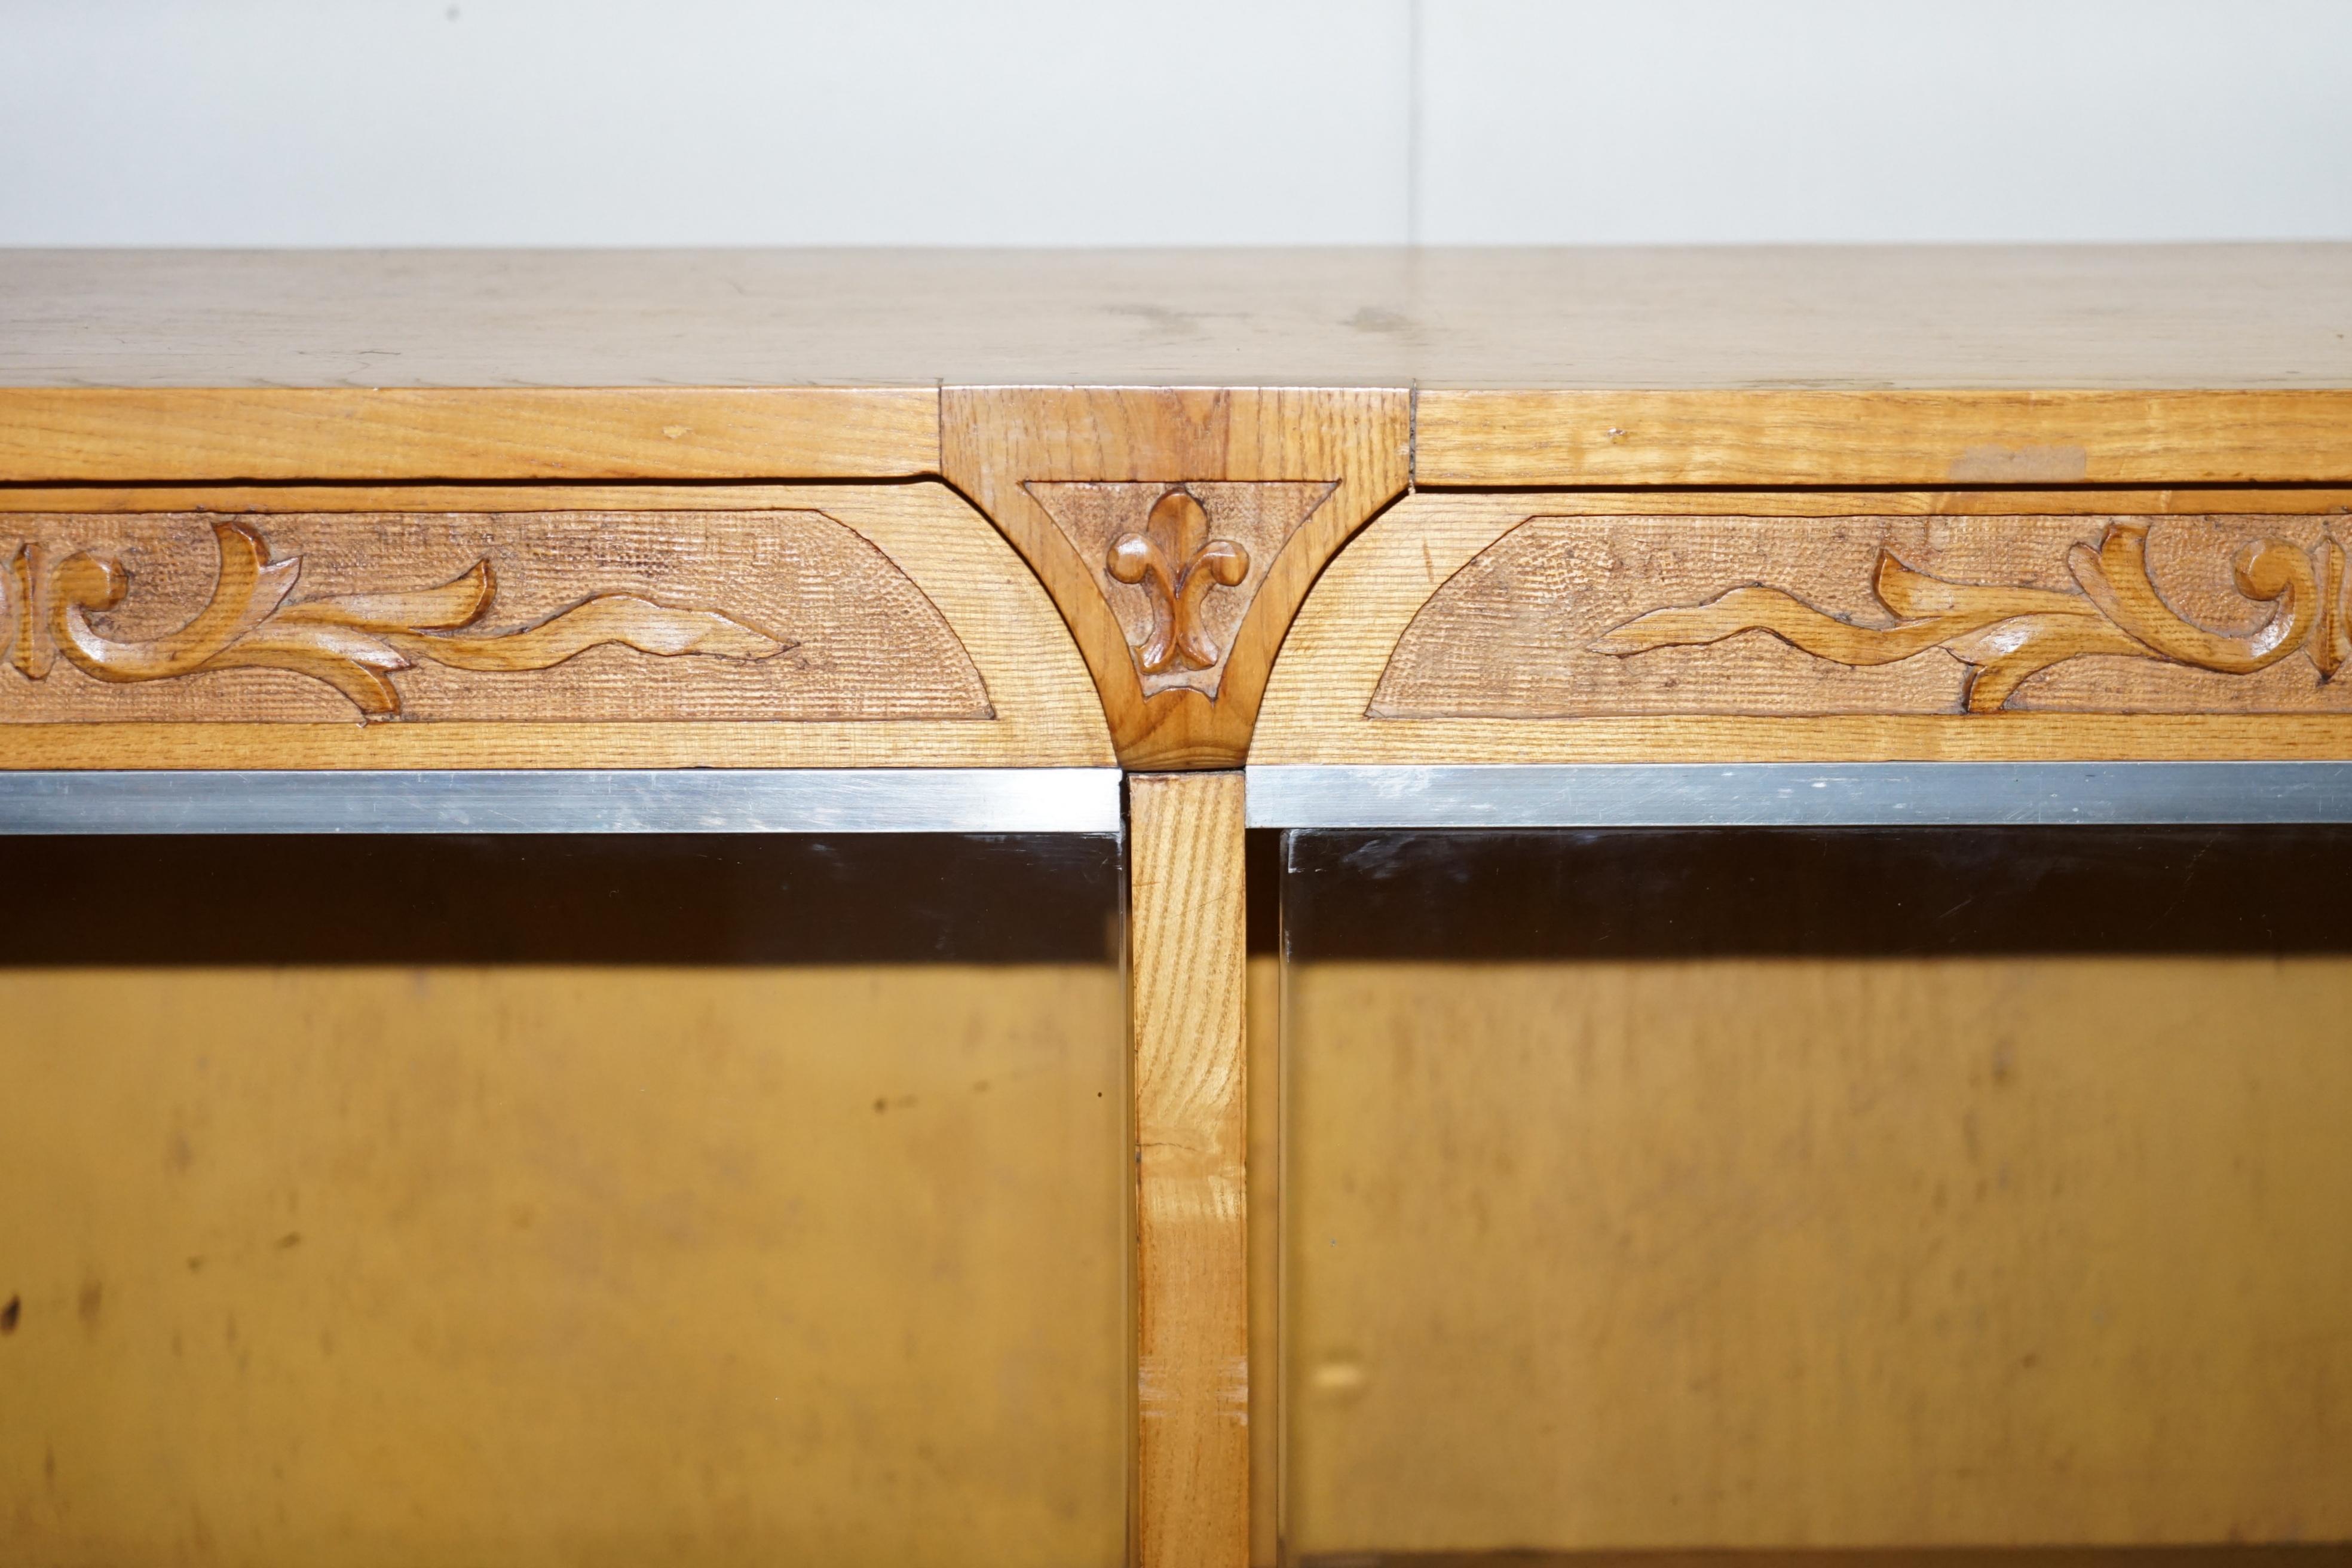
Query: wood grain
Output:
(1789,365)
(615,616)
(1569,616)
(1743,1254)
(565,1265)
(1180,565)
(1019,451)
(1329,675)
(875,586)
(1186,980)
(110,434)
(1612,317)
(1265,1094)
(1783,436)
(2244,1554)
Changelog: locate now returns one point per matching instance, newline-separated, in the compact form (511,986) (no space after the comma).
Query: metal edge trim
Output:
(682,800)
(1813,795)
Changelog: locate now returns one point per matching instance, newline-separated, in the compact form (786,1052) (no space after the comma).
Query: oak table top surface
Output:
(2267,316)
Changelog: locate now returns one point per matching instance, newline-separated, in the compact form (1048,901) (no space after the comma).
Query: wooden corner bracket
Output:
(1177,531)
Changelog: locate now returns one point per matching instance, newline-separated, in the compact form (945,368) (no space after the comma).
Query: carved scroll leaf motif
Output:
(2008,634)
(352,642)
(2268,571)
(2331,640)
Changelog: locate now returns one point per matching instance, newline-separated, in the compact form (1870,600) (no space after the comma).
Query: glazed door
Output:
(570,1198)
(1814,1187)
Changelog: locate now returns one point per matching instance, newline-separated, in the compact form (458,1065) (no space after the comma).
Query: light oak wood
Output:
(1265,1094)
(1882,615)
(565,1265)
(1782,435)
(1519,654)
(1604,317)
(1177,444)
(1791,365)
(918,639)
(1195,555)
(1187,981)
(2264,1554)
(1859,1253)
(617,616)
(110,435)
(2101,501)
(1177,531)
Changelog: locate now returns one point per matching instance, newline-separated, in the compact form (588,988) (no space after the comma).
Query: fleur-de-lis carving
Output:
(1174,560)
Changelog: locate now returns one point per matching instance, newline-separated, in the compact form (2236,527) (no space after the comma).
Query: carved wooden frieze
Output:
(590,617)
(1177,529)
(1576,616)
(1180,563)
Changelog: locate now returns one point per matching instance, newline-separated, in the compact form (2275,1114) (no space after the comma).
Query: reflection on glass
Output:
(1779,1188)
(579,1201)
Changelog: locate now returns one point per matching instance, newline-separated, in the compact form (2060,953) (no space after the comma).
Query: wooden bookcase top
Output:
(1178,443)
(2143,317)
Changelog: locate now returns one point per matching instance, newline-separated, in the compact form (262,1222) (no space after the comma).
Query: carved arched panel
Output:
(1626,628)
(780,628)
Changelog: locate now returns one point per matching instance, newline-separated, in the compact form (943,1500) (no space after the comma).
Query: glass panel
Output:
(1799,1188)
(584,1201)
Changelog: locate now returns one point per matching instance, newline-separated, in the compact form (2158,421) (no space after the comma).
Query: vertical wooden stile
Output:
(1187,937)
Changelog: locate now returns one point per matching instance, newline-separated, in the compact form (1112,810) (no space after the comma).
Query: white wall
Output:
(1183,122)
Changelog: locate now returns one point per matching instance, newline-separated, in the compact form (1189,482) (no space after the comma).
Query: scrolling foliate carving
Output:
(1602,614)
(2007,634)
(1180,563)
(352,642)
